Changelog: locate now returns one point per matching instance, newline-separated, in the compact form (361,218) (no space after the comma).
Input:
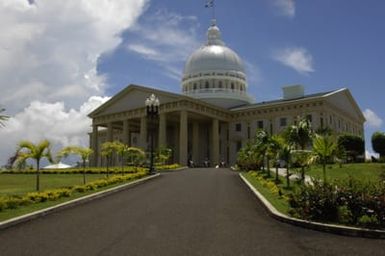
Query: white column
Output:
(143,133)
(109,132)
(126,132)
(183,140)
(94,145)
(162,130)
(215,142)
(195,143)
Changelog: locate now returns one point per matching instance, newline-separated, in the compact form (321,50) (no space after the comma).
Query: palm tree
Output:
(285,154)
(38,151)
(262,143)
(83,152)
(276,146)
(324,148)
(108,149)
(3,117)
(300,136)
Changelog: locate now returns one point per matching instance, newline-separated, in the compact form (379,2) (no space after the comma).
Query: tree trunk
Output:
(84,171)
(276,174)
(107,162)
(324,170)
(303,174)
(287,176)
(268,166)
(122,159)
(37,175)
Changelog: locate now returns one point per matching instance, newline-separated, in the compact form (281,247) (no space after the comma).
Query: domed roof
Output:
(214,56)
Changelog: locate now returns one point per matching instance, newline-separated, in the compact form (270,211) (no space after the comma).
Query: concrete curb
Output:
(331,228)
(69,204)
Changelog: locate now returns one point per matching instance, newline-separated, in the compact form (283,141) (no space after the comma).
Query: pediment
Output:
(344,100)
(132,97)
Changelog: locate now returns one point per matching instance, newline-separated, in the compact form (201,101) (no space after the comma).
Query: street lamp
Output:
(152,111)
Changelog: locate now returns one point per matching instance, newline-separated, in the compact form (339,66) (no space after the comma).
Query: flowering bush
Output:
(12,202)
(351,202)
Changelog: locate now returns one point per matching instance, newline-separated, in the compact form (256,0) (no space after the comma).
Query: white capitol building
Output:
(214,116)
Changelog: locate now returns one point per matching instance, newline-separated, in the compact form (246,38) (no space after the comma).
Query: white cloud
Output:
(285,7)
(50,121)
(298,59)
(167,39)
(49,48)
(372,119)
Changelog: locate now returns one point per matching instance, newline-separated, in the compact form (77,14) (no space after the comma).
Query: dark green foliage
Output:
(378,143)
(353,145)
(350,202)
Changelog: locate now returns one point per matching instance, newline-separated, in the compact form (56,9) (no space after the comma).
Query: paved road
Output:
(193,212)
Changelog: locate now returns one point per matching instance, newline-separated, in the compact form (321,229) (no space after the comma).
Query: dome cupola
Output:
(215,73)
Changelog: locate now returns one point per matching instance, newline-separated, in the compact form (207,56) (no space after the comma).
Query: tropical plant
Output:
(277,144)
(300,136)
(249,157)
(125,152)
(353,145)
(135,155)
(378,143)
(285,155)
(3,117)
(83,152)
(27,149)
(263,145)
(303,159)
(324,148)
(163,155)
(108,150)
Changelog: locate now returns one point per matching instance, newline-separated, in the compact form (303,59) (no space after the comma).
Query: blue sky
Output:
(343,39)
(61,59)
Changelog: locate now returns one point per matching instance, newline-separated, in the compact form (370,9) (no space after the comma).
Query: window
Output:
(195,86)
(309,118)
(207,85)
(283,121)
(248,132)
(238,127)
(239,145)
(260,124)
(322,122)
(232,86)
(220,84)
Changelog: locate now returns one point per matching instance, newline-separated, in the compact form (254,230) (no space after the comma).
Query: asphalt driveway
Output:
(192,212)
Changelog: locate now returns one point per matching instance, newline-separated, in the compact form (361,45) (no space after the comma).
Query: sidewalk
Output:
(293,176)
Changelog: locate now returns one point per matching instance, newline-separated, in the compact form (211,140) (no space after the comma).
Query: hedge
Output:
(12,202)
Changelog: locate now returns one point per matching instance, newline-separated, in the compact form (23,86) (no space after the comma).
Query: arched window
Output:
(207,84)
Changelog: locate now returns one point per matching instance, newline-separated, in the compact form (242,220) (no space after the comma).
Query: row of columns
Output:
(162,138)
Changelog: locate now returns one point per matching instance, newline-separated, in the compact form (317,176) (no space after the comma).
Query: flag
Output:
(209,3)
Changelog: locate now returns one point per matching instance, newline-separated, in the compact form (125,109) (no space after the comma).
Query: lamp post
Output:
(152,111)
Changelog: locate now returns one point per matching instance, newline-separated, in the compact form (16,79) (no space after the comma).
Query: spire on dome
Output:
(214,34)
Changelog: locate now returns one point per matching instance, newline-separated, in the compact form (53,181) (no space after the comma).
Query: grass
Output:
(19,184)
(361,171)
(12,213)
(279,202)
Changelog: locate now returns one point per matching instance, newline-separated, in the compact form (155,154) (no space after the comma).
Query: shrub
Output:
(368,221)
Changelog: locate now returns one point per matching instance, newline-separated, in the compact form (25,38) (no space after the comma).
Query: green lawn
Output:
(19,184)
(277,201)
(361,171)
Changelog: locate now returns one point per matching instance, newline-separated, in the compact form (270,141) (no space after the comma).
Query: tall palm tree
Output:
(3,117)
(300,136)
(324,148)
(83,152)
(27,149)
(285,154)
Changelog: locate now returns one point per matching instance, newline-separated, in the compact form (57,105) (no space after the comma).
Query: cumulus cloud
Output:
(372,119)
(298,59)
(49,51)
(165,38)
(49,48)
(285,7)
(370,154)
(52,121)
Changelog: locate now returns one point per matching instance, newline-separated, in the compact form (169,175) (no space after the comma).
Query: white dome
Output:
(215,73)
(214,56)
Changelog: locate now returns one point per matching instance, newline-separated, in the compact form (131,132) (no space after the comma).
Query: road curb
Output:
(331,228)
(69,204)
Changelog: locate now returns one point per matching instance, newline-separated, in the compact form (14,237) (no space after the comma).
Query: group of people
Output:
(206,163)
